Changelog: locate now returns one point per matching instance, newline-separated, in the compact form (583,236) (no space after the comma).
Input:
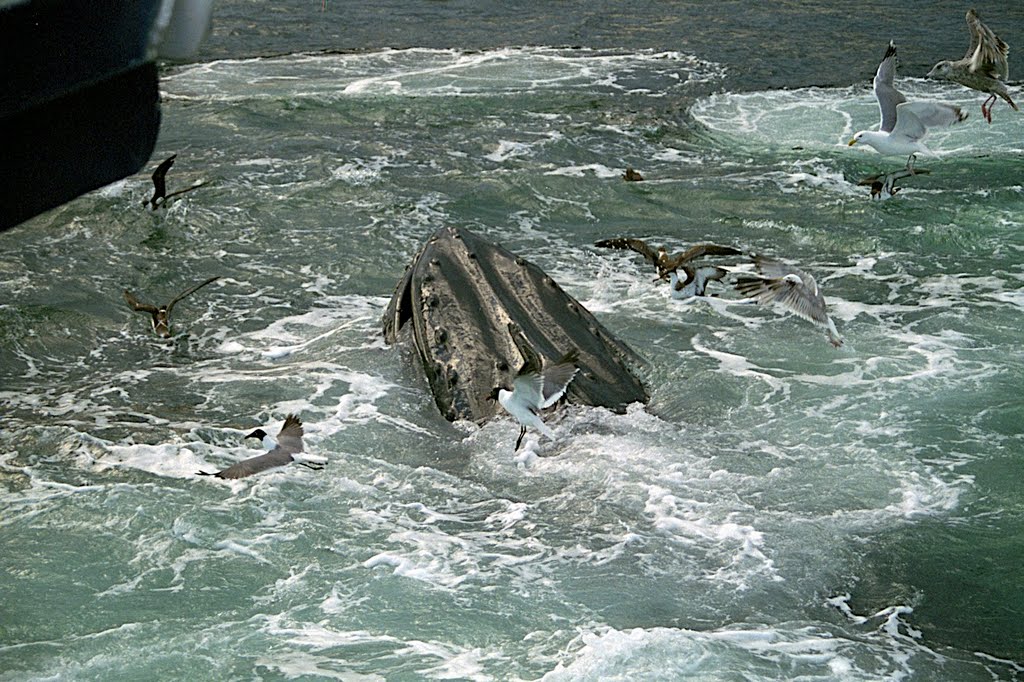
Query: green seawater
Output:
(780,510)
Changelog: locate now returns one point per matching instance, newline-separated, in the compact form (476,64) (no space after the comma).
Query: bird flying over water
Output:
(791,288)
(281,451)
(160,195)
(660,259)
(903,124)
(162,314)
(535,388)
(983,68)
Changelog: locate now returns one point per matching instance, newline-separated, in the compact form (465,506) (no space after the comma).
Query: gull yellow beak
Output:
(851,142)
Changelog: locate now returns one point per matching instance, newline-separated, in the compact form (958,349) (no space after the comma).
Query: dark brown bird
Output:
(660,259)
(162,314)
(883,186)
(160,195)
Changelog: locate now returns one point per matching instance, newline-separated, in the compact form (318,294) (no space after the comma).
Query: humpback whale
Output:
(459,294)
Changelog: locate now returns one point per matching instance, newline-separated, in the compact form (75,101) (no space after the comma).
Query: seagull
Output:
(660,259)
(160,195)
(280,451)
(983,68)
(696,280)
(903,124)
(791,288)
(883,186)
(162,315)
(534,389)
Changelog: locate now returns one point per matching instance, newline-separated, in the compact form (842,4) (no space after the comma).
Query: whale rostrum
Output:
(461,292)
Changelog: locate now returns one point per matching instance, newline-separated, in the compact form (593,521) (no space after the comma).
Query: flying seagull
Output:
(536,387)
(160,195)
(660,259)
(162,315)
(281,451)
(983,68)
(903,124)
(790,288)
(883,186)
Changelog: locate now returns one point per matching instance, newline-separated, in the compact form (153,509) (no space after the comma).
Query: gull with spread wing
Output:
(984,68)
(660,258)
(160,195)
(281,451)
(793,289)
(903,124)
(162,314)
(535,388)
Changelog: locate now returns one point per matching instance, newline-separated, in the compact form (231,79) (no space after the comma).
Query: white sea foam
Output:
(115,189)
(821,118)
(598,169)
(689,522)
(428,567)
(362,171)
(762,464)
(300,665)
(317,636)
(669,654)
(508,149)
(419,72)
(456,664)
(805,134)
(892,650)
(740,366)
(170,459)
(234,547)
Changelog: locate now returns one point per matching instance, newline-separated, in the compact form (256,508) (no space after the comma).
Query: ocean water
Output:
(780,510)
